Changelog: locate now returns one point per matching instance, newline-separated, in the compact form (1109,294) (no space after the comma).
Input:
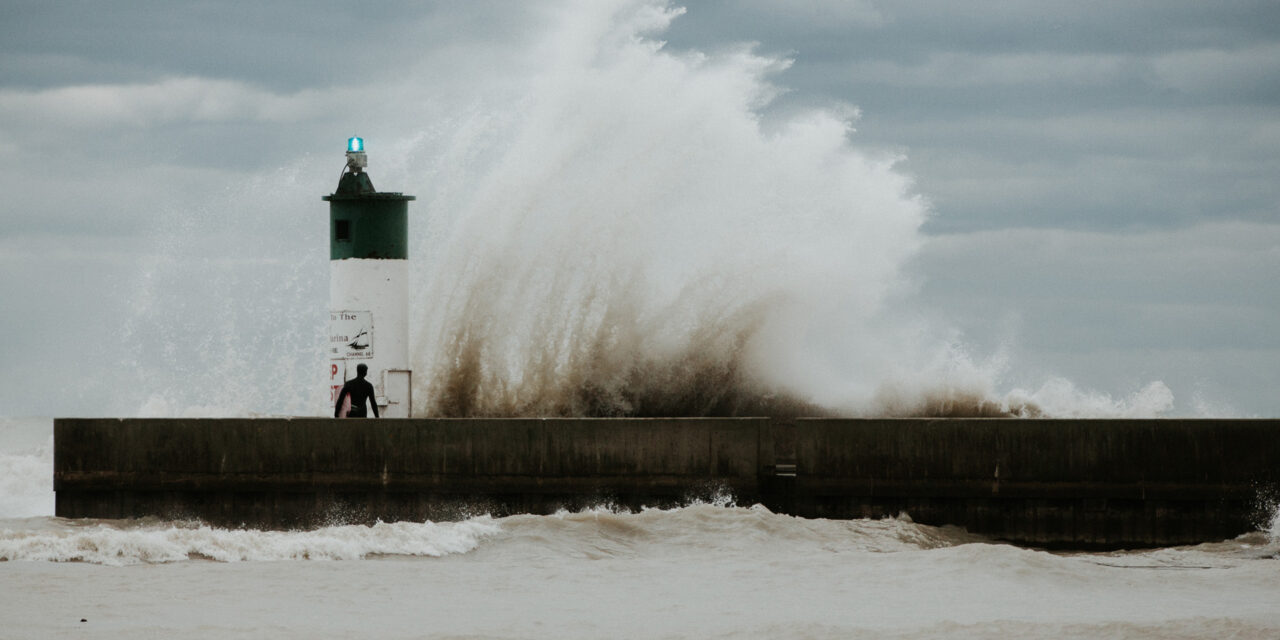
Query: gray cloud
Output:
(1086,116)
(1189,306)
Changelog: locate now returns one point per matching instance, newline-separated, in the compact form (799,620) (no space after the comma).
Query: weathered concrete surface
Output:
(1076,483)
(302,472)
(1067,483)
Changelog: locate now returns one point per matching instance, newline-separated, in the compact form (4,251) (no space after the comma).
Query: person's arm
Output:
(373,401)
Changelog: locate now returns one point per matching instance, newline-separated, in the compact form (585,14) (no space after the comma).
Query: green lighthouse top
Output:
(365,224)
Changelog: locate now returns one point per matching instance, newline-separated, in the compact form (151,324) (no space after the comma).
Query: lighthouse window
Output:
(342,231)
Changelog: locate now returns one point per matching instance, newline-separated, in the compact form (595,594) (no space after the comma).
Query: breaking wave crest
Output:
(697,529)
(639,236)
(636,231)
(645,237)
(708,530)
(124,543)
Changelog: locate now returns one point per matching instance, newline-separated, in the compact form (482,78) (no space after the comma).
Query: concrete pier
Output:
(1052,483)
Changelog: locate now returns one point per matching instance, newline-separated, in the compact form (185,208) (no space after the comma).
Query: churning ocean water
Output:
(705,570)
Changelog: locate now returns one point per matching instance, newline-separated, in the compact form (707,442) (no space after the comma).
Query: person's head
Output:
(361,369)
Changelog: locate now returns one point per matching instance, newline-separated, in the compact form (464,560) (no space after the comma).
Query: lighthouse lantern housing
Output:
(356,158)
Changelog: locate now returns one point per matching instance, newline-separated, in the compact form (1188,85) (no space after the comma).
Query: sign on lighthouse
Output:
(350,335)
(369,286)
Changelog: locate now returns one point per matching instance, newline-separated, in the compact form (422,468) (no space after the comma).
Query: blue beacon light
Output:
(356,158)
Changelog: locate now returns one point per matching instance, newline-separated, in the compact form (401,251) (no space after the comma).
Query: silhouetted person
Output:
(360,390)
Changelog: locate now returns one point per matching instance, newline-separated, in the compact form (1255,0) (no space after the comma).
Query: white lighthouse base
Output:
(369,324)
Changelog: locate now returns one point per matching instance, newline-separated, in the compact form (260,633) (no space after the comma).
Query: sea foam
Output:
(124,543)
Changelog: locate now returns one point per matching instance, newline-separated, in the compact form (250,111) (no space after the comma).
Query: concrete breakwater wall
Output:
(1057,483)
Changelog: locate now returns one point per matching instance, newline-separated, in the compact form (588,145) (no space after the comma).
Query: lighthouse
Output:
(369,286)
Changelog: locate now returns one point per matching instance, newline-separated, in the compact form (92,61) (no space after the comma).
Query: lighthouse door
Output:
(398,387)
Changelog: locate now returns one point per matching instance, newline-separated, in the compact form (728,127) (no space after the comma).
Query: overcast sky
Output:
(1102,176)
